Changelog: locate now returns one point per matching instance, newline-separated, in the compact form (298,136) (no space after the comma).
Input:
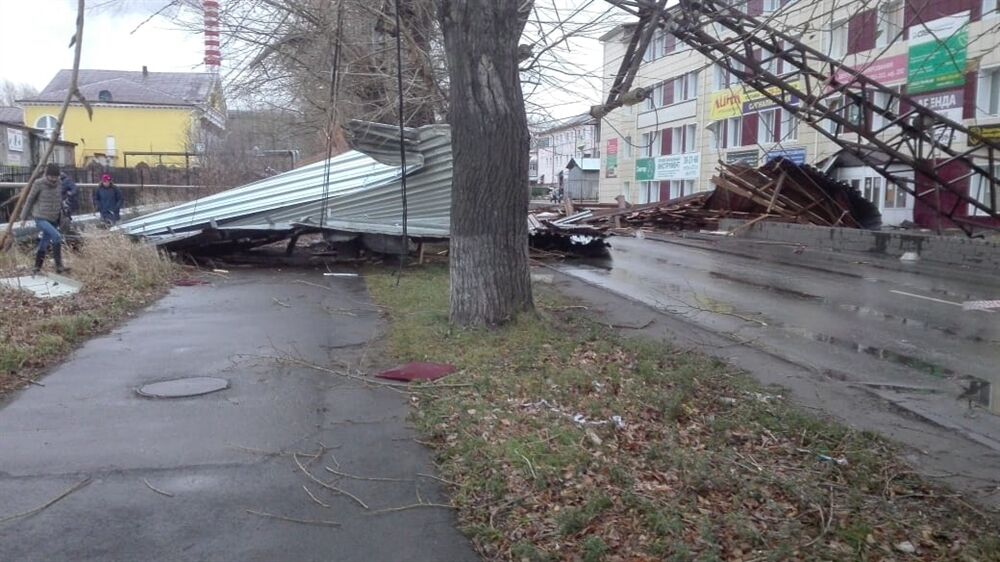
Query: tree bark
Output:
(490,280)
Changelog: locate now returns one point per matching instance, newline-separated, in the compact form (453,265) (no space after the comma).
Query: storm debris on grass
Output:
(118,276)
(686,476)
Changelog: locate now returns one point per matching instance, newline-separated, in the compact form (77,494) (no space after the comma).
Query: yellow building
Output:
(151,117)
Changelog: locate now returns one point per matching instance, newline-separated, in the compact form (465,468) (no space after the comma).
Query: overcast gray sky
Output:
(36,33)
(35,38)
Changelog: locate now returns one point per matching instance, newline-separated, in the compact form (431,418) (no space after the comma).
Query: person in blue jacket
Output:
(70,195)
(108,200)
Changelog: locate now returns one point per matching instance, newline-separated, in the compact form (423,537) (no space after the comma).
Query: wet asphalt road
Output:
(902,334)
(221,454)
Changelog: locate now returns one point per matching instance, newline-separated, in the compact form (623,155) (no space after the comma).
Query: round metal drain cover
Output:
(182,388)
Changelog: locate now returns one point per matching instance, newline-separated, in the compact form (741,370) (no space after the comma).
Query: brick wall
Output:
(945,250)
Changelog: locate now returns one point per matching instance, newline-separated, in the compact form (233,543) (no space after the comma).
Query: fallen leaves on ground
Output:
(575,444)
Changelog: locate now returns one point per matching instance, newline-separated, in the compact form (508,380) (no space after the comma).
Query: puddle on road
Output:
(766,287)
(866,311)
(976,391)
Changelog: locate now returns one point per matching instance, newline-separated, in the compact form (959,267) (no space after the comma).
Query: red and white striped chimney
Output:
(213,52)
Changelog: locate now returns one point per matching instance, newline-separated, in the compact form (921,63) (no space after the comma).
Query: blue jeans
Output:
(50,235)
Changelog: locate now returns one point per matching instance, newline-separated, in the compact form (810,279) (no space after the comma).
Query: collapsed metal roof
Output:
(358,191)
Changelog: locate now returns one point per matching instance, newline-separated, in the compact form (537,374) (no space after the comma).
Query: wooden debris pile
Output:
(784,190)
(779,190)
(690,212)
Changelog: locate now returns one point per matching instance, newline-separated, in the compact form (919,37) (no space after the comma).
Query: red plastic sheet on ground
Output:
(417,372)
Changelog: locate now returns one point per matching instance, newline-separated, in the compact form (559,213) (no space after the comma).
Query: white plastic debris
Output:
(909,256)
(907,547)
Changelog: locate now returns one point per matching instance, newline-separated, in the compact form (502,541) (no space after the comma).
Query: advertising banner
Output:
(611,166)
(937,53)
(645,169)
(678,167)
(749,157)
(887,71)
(796,155)
(984,132)
(736,101)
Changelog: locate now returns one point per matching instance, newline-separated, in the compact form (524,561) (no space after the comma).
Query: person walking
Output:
(44,204)
(108,200)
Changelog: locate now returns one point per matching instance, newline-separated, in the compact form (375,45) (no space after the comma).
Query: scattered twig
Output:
(631,326)
(438,478)
(293,519)
(49,503)
(155,489)
(29,380)
(327,485)
(411,506)
(371,478)
(314,498)
(278,302)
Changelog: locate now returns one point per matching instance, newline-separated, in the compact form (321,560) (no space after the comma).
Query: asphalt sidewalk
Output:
(217,477)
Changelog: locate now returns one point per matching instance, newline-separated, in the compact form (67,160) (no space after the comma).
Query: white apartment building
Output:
(553,146)
(699,114)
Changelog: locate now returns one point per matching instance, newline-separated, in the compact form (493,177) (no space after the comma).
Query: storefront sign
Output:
(949,105)
(678,167)
(645,169)
(748,157)
(611,162)
(884,71)
(15,140)
(736,101)
(726,104)
(977,134)
(796,155)
(937,53)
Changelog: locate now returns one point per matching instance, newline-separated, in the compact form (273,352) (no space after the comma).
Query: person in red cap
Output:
(108,200)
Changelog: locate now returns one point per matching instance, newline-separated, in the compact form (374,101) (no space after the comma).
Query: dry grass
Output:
(706,465)
(118,276)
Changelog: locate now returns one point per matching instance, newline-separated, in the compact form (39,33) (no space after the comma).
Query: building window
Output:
(104,95)
(988,93)
(895,197)
(890,23)
(692,88)
(715,136)
(767,126)
(837,39)
(680,188)
(689,137)
(890,103)
(734,131)
(648,147)
(835,106)
(873,189)
(47,123)
(989,9)
(719,77)
(725,133)
(649,191)
(627,149)
(789,126)
(979,189)
(771,6)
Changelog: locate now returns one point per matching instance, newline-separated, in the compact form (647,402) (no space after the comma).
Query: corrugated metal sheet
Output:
(363,193)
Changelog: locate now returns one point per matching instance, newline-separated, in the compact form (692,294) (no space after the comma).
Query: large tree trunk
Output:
(490,280)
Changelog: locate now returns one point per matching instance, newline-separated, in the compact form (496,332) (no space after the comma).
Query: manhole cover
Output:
(181,388)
